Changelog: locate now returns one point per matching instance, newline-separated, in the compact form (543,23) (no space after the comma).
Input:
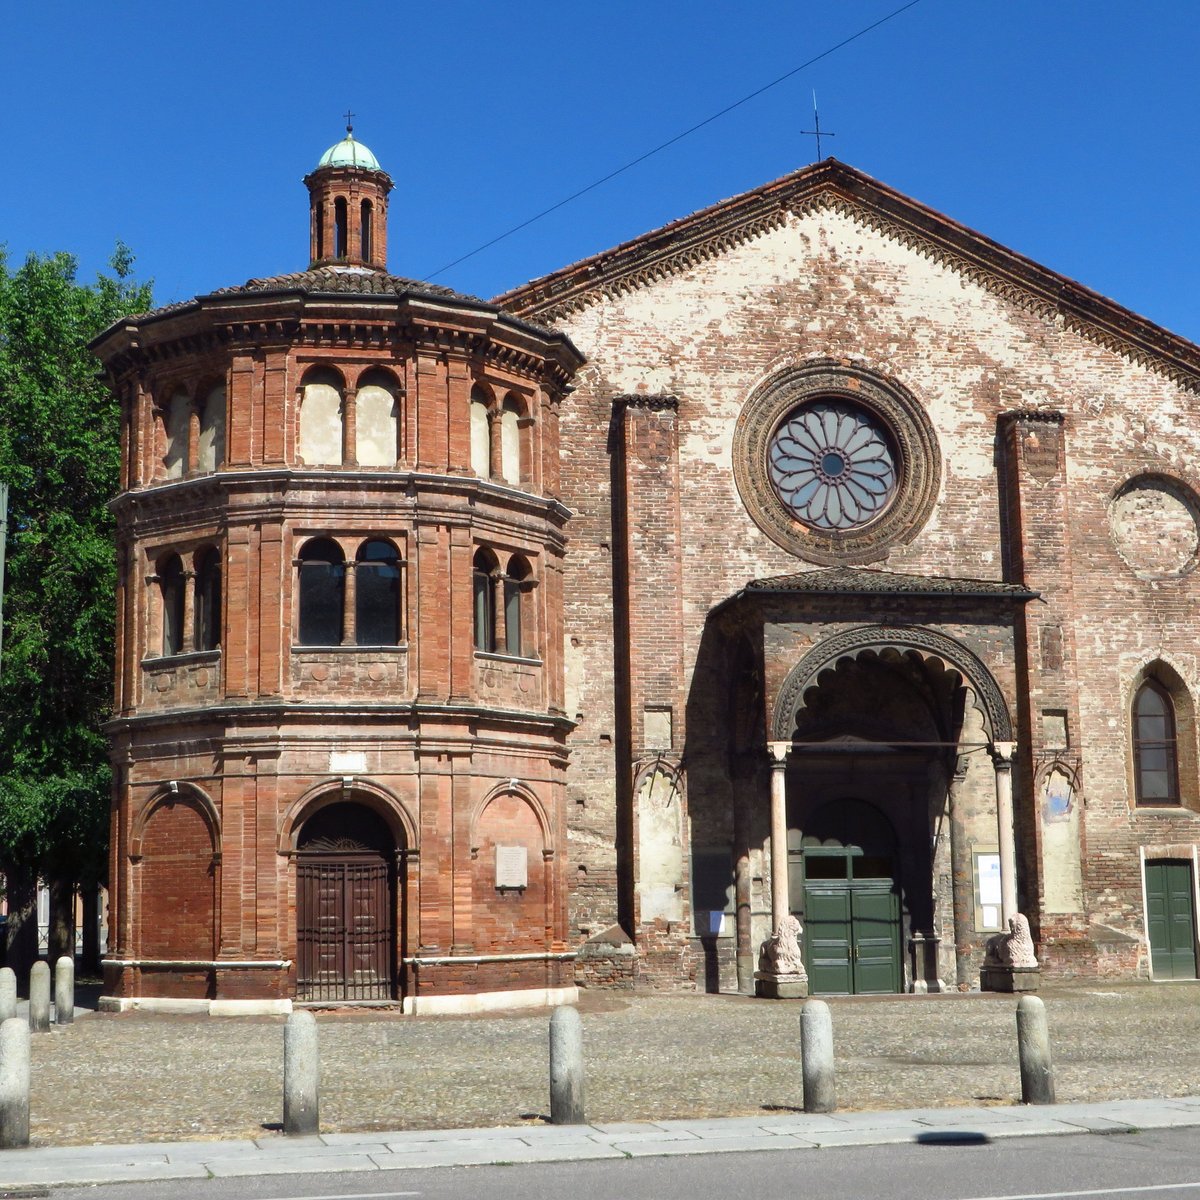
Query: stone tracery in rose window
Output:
(832,465)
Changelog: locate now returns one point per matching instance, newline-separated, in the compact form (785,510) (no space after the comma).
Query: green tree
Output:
(60,456)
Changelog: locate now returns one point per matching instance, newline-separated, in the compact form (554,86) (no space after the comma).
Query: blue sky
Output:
(1064,129)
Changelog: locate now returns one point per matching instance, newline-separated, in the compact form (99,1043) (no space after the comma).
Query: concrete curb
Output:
(62,1166)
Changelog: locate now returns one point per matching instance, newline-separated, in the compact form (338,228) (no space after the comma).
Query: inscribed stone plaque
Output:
(512,867)
(347,762)
(1054,728)
(656,728)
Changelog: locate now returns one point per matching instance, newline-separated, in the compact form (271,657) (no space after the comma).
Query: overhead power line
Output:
(641,158)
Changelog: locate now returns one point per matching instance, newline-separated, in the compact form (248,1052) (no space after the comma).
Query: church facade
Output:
(813,556)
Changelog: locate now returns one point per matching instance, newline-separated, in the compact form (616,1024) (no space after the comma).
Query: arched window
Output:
(365,213)
(376,420)
(322,592)
(321,418)
(212,430)
(320,230)
(510,441)
(339,227)
(486,570)
(178,418)
(171,583)
(377,595)
(514,602)
(1155,761)
(208,599)
(481,449)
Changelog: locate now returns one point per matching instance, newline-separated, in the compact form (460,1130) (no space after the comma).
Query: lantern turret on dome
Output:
(348,198)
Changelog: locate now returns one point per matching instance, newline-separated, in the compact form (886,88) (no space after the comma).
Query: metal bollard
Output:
(816,1057)
(64,991)
(39,997)
(1033,1046)
(14,1084)
(8,993)
(566,1067)
(301,1074)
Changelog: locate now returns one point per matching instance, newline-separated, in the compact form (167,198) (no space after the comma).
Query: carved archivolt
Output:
(988,697)
(917,460)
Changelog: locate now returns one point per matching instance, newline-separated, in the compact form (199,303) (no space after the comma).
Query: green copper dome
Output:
(349,153)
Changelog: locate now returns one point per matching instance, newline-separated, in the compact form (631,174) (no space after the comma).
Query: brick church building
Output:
(813,555)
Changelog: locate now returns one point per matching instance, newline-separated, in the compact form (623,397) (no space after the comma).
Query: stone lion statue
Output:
(780,953)
(1012,949)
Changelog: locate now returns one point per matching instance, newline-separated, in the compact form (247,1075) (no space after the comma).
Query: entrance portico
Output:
(886,793)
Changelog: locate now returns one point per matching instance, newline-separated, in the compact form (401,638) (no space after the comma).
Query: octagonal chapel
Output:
(799,595)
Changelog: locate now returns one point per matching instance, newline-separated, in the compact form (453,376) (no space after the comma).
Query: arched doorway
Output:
(850,873)
(345,906)
(880,739)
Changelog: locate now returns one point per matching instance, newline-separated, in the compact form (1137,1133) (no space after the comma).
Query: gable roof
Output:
(830,184)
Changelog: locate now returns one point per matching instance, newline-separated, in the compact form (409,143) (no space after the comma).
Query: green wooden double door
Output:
(1171,918)
(853,937)
(851,923)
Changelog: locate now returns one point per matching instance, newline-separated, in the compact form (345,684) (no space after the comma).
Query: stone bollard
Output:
(566,1067)
(8,993)
(39,997)
(1033,1046)
(301,1074)
(64,991)
(816,1057)
(14,1084)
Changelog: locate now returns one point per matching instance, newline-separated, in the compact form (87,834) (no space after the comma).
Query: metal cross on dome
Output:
(816,131)
(350,128)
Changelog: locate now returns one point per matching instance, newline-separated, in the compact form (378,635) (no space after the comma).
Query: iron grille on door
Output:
(344,927)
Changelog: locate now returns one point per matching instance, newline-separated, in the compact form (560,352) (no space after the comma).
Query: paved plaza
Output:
(131,1077)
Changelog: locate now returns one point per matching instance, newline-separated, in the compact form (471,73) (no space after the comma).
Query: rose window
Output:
(832,465)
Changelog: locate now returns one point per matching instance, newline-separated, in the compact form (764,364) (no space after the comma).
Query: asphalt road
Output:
(1160,1165)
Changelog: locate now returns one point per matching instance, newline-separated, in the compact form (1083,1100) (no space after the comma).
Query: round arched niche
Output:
(863,441)
(1154,526)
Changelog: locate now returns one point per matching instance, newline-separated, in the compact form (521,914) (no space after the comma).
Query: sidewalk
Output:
(402,1150)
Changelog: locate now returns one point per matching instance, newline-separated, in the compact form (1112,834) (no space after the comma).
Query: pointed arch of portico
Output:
(928,643)
(378,799)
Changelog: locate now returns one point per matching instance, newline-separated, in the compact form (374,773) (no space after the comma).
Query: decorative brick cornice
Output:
(833,186)
(1044,416)
(649,403)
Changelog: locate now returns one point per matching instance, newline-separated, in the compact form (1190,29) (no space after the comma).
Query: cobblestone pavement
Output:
(131,1077)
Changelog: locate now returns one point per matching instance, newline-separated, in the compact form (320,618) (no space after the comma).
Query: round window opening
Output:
(833,465)
(835,462)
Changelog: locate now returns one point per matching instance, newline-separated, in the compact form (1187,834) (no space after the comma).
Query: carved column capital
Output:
(1002,754)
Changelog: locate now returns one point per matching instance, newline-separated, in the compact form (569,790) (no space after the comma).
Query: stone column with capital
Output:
(781,974)
(1002,756)
(1010,964)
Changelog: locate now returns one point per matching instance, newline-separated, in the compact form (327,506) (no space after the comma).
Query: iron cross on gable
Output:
(816,131)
